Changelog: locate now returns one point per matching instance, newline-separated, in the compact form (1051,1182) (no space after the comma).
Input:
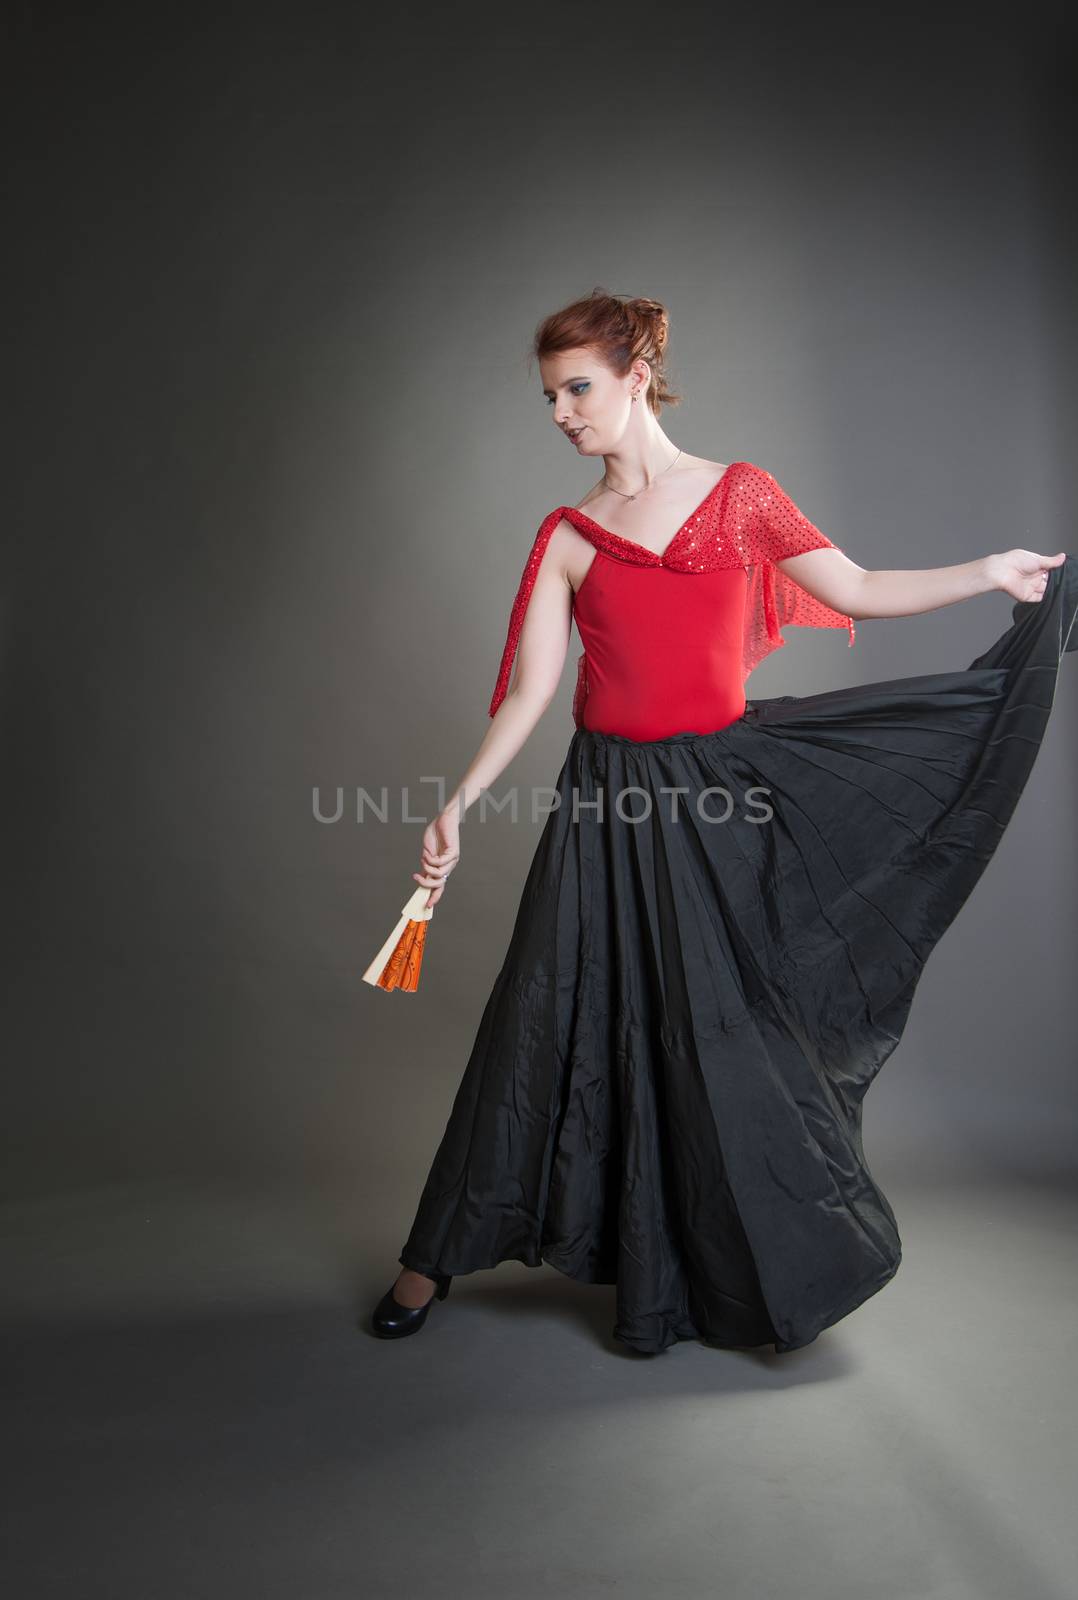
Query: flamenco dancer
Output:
(732,901)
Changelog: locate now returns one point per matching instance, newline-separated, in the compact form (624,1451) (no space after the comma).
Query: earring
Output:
(634,399)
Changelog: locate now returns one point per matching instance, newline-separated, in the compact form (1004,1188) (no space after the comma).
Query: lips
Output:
(574,433)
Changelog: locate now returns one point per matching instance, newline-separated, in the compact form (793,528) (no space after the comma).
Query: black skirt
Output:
(716,950)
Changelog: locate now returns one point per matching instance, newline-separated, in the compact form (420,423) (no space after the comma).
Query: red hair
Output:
(621,329)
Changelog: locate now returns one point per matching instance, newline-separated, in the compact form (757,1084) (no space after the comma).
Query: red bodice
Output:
(670,639)
(660,648)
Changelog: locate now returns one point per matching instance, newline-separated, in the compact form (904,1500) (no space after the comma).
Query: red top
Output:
(670,639)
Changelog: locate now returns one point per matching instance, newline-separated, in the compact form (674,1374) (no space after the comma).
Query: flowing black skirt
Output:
(716,949)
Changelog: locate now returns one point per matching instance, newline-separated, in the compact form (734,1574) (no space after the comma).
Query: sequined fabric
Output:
(747,520)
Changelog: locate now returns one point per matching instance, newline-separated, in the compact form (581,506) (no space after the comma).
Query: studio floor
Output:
(196,1409)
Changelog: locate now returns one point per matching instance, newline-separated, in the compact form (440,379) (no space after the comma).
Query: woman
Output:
(731,905)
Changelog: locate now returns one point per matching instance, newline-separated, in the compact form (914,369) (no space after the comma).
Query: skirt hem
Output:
(678,1333)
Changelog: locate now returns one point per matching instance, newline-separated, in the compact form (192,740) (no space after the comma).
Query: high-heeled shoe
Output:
(391,1320)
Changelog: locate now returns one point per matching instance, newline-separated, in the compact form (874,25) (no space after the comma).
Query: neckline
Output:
(658,556)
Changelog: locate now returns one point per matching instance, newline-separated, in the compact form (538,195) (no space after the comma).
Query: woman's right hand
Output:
(440,854)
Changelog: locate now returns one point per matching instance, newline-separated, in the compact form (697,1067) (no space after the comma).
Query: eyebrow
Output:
(580,378)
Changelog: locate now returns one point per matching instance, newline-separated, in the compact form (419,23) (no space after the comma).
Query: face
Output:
(588,402)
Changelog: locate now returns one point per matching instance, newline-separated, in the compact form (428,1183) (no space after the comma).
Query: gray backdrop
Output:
(273,292)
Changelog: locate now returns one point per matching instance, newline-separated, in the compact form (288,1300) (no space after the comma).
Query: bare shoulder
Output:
(567,542)
(700,472)
(568,554)
(707,467)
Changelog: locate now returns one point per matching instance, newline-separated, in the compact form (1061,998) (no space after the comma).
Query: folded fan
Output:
(397,964)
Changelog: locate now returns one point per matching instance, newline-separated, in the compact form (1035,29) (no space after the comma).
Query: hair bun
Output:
(657,315)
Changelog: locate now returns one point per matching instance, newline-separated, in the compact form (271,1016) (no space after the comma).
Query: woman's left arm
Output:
(840,583)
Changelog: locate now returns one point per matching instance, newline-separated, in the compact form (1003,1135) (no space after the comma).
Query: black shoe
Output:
(391,1320)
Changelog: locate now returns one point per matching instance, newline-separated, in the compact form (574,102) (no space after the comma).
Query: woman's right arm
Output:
(540,661)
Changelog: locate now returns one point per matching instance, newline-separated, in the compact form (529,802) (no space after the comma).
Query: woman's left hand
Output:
(1023,574)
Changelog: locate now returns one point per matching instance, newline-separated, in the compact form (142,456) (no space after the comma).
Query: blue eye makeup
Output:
(574,388)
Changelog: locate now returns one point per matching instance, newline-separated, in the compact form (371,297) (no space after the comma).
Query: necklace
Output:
(635,492)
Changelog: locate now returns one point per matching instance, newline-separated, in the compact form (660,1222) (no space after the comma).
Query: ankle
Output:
(413,1289)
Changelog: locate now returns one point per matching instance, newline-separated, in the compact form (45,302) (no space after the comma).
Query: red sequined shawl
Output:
(747,520)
